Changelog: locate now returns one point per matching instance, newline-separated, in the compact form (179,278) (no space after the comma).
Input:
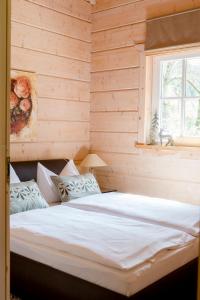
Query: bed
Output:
(39,270)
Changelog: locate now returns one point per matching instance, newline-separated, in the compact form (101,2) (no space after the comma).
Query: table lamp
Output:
(92,161)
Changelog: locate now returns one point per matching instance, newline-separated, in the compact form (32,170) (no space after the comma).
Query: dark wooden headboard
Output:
(27,170)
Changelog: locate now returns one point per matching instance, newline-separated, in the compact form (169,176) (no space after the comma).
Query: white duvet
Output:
(117,242)
(177,215)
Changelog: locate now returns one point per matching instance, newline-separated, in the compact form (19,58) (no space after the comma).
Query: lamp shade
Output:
(92,161)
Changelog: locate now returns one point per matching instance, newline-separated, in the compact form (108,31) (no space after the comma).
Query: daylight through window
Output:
(177,94)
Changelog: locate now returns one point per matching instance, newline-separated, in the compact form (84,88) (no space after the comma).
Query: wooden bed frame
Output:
(32,280)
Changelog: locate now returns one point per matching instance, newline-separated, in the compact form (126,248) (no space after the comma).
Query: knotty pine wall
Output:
(117,91)
(53,39)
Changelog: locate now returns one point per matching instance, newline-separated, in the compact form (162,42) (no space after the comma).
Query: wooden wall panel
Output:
(76,8)
(119,16)
(66,110)
(117,42)
(139,11)
(108,4)
(61,88)
(48,42)
(49,150)
(125,100)
(113,142)
(61,131)
(114,121)
(119,37)
(168,167)
(52,39)
(51,65)
(115,80)
(167,189)
(157,8)
(41,17)
(115,59)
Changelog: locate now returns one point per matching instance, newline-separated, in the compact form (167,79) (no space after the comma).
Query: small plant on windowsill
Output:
(154,133)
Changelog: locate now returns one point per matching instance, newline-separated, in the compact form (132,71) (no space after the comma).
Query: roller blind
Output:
(173,30)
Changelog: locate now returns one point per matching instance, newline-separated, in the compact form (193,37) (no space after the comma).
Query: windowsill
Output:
(164,148)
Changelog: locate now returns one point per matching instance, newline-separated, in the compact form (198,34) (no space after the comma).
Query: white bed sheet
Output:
(121,243)
(173,214)
(120,281)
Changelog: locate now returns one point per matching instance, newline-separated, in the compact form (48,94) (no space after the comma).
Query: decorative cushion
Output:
(45,183)
(13,176)
(25,196)
(72,187)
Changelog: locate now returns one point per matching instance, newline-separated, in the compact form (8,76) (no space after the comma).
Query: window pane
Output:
(171,116)
(192,117)
(171,78)
(193,77)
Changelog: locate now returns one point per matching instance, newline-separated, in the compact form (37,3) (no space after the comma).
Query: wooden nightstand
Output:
(108,190)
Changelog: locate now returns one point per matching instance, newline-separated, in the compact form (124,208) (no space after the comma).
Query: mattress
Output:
(121,281)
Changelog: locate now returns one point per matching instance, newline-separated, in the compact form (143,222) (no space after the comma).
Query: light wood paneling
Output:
(32,38)
(119,37)
(51,20)
(117,97)
(115,59)
(113,142)
(50,65)
(76,8)
(156,7)
(139,11)
(65,110)
(126,100)
(61,88)
(108,4)
(49,150)
(168,167)
(52,39)
(115,80)
(54,131)
(114,121)
(167,189)
(119,16)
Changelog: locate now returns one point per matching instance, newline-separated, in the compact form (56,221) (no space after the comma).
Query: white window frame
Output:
(155,91)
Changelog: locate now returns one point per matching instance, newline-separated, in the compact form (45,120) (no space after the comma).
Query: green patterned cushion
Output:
(72,187)
(25,196)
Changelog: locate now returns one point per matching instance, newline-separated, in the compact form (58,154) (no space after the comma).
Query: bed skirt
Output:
(32,280)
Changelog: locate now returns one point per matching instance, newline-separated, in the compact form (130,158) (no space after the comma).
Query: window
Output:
(176,94)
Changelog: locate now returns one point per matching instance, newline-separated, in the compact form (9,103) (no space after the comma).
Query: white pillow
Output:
(47,186)
(70,169)
(13,176)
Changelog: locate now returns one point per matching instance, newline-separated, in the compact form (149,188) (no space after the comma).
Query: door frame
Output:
(4,145)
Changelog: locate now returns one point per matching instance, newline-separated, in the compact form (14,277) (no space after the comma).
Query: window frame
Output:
(154,65)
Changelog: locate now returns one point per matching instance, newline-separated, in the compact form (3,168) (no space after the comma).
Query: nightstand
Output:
(108,190)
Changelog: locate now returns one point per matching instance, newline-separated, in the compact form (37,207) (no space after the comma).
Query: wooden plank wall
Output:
(117,88)
(53,39)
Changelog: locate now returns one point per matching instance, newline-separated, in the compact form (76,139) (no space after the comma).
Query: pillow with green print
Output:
(25,196)
(72,187)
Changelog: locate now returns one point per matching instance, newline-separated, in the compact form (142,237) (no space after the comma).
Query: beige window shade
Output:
(174,30)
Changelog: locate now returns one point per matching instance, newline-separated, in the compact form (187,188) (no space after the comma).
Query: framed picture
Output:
(22,106)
